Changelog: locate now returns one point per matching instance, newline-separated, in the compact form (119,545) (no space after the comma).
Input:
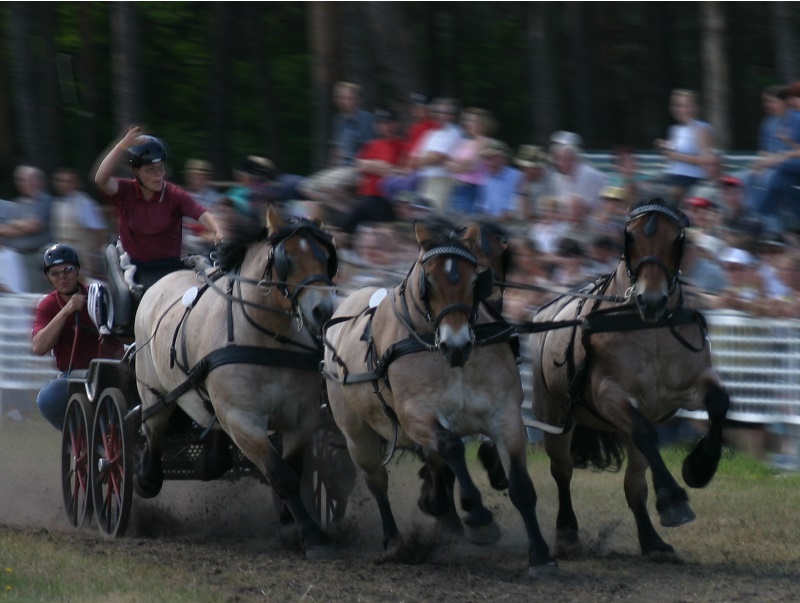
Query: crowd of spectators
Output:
(564,217)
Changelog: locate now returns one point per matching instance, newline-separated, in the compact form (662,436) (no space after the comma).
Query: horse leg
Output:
(557,446)
(701,463)
(672,502)
(437,494)
(523,497)
(365,450)
(216,458)
(481,528)
(490,459)
(650,542)
(148,475)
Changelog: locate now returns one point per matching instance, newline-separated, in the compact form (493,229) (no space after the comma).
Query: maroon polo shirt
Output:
(152,230)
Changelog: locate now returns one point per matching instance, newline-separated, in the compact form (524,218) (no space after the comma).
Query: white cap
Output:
(732,255)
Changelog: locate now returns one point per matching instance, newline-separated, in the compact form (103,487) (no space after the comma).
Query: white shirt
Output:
(442,140)
(13,277)
(586,183)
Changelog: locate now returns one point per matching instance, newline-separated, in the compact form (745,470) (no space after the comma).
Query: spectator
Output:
(604,255)
(626,174)
(62,326)
(351,127)
(710,187)
(537,179)
(745,290)
(701,269)
(376,160)
(253,189)
(774,136)
(570,270)
(576,184)
(14,277)
(529,269)
(433,152)
(26,225)
(497,195)
(421,122)
(608,219)
(196,174)
(550,228)
(78,221)
(466,162)
(737,218)
(781,190)
(686,146)
(149,209)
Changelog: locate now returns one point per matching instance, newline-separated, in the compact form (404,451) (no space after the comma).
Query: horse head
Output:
(493,253)
(301,264)
(654,245)
(449,286)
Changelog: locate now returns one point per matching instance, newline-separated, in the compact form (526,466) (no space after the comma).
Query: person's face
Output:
(419,112)
(152,176)
(387,128)
(370,249)
(443,114)
(564,161)
(64,278)
(682,108)
(737,273)
(28,184)
(63,184)
(196,181)
(346,100)
(732,196)
(471,124)
(495,163)
(773,105)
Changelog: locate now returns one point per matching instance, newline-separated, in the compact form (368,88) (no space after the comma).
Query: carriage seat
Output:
(113,306)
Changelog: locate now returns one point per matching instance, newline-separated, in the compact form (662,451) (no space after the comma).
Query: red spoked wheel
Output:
(75,485)
(111,464)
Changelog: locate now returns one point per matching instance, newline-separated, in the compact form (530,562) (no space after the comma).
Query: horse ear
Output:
(274,220)
(471,236)
(423,236)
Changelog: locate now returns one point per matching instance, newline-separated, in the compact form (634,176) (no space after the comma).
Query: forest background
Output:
(221,80)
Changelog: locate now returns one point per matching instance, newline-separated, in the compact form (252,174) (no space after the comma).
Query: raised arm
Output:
(109,159)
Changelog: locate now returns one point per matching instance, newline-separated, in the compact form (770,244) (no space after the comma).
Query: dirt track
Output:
(228,536)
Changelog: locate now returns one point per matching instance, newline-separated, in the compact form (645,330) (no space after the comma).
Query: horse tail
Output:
(602,450)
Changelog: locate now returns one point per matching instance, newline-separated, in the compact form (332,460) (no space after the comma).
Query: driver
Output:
(62,326)
(149,209)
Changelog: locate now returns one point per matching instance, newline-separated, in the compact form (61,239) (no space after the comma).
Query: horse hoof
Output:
(568,544)
(485,534)
(147,488)
(676,515)
(545,570)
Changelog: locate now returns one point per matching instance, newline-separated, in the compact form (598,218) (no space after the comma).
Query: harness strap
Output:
(235,354)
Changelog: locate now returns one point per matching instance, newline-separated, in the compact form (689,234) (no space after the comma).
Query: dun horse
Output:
(241,354)
(633,362)
(413,368)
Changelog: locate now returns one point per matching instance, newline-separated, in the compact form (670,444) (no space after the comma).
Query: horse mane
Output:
(231,253)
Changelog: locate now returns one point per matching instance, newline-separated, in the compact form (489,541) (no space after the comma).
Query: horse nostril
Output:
(322,313)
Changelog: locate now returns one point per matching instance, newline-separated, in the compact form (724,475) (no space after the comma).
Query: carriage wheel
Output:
(75,461)
(333,473)
(111,464)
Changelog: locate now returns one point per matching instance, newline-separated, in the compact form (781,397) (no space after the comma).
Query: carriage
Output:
(130,423)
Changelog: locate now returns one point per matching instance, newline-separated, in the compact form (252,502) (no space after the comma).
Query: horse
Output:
(611,361)
(241,354)
(421,365)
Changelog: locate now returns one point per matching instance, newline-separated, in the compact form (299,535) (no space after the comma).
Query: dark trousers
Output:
(370,209)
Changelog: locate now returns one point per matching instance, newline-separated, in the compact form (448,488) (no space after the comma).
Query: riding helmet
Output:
(149,150)
(59,254)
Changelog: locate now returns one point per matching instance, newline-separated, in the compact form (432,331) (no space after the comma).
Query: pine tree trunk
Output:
(219,89)
(785,41)
(23,83)
(323,36)
(543,93)
(715,72)
(127,93)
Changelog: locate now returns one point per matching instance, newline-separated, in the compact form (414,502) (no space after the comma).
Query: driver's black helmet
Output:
(149,150)
(59,254)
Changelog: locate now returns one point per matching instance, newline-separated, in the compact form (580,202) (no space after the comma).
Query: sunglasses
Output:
(66,270)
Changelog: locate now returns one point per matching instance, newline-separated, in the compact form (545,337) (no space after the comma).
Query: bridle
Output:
(680,220)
